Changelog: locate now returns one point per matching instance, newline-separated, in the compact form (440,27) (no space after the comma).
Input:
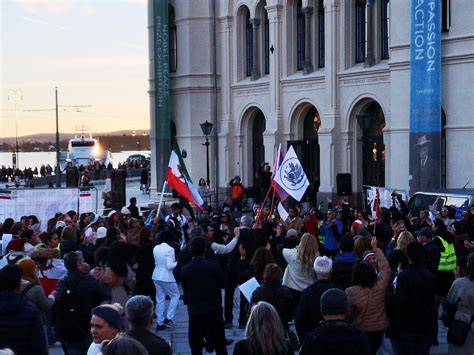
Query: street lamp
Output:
(15,94)
(206,128)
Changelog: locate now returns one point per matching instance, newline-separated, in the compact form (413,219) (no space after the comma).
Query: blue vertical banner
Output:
(162,95)
(425,95)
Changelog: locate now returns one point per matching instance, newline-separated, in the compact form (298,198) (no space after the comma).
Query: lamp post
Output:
(206,128)
(15,94)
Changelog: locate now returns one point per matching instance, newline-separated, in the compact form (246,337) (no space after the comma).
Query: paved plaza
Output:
(177,335)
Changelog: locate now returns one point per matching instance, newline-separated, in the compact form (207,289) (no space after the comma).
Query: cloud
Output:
(56,7)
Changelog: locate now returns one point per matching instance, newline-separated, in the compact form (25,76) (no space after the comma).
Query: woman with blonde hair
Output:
(299,273)
(404,239)
(264,334)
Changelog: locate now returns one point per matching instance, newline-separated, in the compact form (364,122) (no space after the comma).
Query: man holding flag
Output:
(178,179)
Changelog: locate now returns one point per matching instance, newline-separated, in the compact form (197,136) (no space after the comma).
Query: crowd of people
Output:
(333,283)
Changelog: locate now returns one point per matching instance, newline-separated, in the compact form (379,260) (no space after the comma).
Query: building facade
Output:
(330,77)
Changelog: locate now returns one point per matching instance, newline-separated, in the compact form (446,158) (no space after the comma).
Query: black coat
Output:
(251,241)
(242,348)
(308,311)
(411,307)
(185,257)
(336,338)
(134,211)
(431,257)
(202,280)
(21,326)
(153,343)
(87,293)
(279,297)
(146,264)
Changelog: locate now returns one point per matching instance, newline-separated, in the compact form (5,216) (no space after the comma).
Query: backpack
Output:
(72,320)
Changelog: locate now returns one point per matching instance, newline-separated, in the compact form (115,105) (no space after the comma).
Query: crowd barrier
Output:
(45,202)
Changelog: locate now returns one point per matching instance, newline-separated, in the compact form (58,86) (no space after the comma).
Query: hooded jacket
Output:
(21,327)
(342,269)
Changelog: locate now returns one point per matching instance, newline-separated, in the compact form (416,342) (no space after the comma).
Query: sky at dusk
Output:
(95,52)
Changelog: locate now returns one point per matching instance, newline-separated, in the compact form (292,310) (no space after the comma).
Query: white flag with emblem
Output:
(291,177)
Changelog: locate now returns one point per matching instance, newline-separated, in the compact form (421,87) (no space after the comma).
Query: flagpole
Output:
(271,206)
(161,197)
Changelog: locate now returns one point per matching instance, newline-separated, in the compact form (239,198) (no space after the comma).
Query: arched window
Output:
(266,44)
(173,40)
(248,43)
(300,36)
(322,48)
(385,28)
(360,30)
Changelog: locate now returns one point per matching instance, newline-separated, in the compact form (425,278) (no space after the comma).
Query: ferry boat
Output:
(84,150)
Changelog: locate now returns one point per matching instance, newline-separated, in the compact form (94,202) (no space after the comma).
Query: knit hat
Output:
(16,245)
(333,302)
(101,232)
(111,214)
(356,224)
(29,271)
(367,255)
(111,314)
(292,233)
(93,218)
(322,265)
(125,210)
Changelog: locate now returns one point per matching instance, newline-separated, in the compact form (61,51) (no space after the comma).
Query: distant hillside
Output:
(116,141)
(51,137)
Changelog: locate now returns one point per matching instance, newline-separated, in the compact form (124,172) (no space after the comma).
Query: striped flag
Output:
(178,178)
(282,194)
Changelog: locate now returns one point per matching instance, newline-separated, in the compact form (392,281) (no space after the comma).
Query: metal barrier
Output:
(46,202)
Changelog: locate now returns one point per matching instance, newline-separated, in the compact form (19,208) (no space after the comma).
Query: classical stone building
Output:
(331,77)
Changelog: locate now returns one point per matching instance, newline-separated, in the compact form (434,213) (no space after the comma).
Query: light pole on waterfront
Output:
(15,94)
(58,168)
(206,128)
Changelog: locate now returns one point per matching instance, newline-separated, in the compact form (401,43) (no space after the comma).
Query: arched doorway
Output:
(258,148)
(371,121)
(306,146)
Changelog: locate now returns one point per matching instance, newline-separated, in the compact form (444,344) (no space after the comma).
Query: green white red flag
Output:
(178,178)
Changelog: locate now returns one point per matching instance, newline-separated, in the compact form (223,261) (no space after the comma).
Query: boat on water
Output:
(84,150)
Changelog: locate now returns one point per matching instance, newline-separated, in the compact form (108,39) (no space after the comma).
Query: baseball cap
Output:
(426,231)
(101,232)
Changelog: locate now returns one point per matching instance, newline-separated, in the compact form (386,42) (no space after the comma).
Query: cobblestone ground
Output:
(178,335)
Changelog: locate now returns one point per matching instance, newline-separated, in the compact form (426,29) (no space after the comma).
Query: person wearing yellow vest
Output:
(447,263)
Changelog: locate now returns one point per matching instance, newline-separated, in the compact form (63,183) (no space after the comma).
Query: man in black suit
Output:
(428,173)
(202,280)
(432,253)
(250,242)
(413,305)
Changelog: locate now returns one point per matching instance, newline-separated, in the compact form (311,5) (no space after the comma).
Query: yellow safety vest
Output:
(447,262)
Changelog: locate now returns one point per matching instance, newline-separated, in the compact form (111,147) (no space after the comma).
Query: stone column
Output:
(369,51)
(308,65)
(255,67)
